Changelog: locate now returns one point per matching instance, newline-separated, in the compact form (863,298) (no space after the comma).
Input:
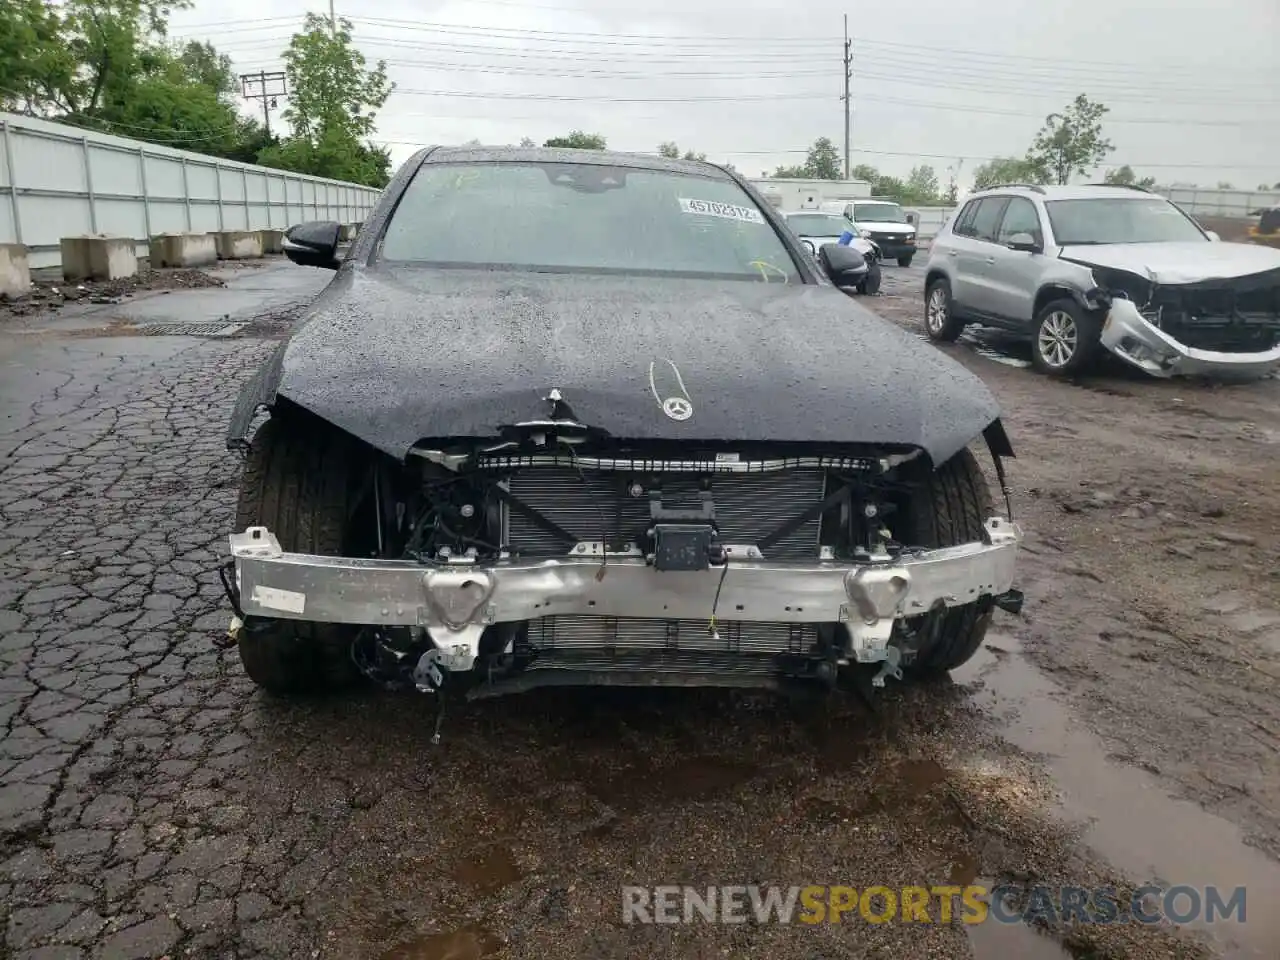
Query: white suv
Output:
(1077,269)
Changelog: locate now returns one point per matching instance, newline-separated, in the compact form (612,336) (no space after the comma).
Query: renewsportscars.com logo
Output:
(939,904)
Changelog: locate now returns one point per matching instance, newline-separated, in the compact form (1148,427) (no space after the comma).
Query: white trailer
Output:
(788,194)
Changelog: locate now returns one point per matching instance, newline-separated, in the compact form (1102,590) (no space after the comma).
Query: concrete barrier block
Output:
(98,257)
(183,250)
(272,241)
(15,271)
(238,244)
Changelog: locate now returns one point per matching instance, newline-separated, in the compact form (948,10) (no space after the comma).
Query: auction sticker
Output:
(726,211)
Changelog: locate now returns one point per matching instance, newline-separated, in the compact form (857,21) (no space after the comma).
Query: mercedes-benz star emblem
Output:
(677,408)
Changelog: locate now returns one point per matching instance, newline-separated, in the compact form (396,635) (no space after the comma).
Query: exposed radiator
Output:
(574,633)
(599,505)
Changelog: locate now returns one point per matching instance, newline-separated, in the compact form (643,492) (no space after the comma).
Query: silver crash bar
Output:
(1134,338)
(456,602)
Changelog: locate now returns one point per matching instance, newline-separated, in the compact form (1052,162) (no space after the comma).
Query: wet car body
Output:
(635,463)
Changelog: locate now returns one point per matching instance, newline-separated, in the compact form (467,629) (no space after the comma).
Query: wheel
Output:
(1067,338)
(297,483)
(905,261)
(947,508)
(939,317)
(871,285)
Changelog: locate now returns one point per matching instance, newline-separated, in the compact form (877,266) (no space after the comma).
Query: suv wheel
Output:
(939,318)
(1066,338)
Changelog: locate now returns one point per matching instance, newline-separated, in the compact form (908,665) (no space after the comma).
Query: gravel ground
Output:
(153,803)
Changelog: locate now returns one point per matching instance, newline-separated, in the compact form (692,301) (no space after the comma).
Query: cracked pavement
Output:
(153,803)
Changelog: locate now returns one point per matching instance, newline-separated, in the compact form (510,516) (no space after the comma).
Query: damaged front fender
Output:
(258,393)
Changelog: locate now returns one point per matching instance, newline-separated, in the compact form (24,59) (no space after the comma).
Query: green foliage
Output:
(35,63)
(1071,142)
(822,163)
(334,98)
(671,151)
(577,140)
(922,186)
(1008,170)
(1125,177)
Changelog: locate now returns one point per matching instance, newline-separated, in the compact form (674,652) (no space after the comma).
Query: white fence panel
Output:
(60,181)
(1220,203)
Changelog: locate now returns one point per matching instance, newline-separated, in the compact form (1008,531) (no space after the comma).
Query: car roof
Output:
(474,153)
(1084,191)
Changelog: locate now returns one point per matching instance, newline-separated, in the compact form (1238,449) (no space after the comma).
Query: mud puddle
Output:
(1127,816)
(466,944)
(998,941)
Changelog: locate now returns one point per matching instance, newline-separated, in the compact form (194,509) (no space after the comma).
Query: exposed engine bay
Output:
(551,510)
(1216,325)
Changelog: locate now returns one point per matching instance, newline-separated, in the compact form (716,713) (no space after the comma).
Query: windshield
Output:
(1120,220)
(883,212)
(582,217)
(818,224)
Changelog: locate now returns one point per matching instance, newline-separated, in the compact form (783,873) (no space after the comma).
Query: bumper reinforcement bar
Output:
(456,602)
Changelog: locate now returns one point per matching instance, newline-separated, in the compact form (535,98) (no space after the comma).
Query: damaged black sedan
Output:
(574,417)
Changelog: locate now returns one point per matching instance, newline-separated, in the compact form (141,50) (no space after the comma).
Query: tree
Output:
(823,162)
(1125,177)
(35,63)
(922,185)
(1225,185)
(790,173)
(669,150)
(577,140)
(105,65)
(1071,142)
(527,142)
(1008,170)
(333,102)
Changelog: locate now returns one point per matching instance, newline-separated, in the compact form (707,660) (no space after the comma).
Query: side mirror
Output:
(1025,243)
(845,266)
(1213,235)
(313,244)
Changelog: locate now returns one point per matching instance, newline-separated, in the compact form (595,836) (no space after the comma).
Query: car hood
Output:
(395,355)
(1176,263)
(887,226)
(858,243)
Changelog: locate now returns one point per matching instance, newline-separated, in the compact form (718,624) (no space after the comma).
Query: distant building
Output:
(788,194)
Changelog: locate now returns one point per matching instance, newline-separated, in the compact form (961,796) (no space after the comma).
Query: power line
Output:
(895,78)
(758,98)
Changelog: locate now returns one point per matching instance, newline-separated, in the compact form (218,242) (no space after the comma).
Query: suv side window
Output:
(986,220)
(1020,217)
(964,222)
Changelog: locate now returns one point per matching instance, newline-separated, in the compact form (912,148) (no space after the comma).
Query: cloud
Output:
(755,84)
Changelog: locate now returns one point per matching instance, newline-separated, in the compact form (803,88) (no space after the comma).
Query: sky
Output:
(1193,86)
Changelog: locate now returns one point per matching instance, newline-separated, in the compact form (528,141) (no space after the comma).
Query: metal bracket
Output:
(427,675)
(890,668)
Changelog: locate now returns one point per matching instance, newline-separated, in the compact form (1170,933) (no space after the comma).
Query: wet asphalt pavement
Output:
(153,803)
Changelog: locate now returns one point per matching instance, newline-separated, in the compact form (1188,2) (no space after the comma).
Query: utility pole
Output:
(333,21)
(269,86)
(848,75)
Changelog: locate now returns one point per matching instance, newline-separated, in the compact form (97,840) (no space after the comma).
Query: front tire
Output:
(939,312)
(948,508)
(1067,338)
(871,285)
(297,482)
(905,261)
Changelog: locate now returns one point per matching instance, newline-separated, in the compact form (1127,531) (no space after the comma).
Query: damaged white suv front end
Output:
(1189,309)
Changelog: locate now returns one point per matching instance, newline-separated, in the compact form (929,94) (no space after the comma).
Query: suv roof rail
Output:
(1121,186)
(1005,186)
